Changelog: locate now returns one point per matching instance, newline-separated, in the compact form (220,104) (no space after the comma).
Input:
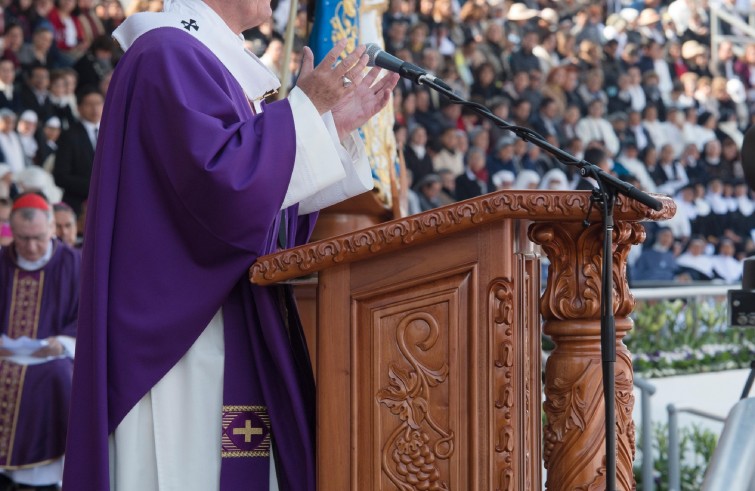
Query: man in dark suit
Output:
(35,94)
(544,122)
(9,94)
(475,181)
(73,163)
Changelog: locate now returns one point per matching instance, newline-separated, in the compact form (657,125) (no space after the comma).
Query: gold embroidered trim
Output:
(11,387)
(229,409)
(244,454)
(229,448)
(26,302)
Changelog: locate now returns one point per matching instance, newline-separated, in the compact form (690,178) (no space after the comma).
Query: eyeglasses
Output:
(31,238)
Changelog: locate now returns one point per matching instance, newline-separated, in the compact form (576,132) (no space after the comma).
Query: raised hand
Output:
(358,106)
(325,84)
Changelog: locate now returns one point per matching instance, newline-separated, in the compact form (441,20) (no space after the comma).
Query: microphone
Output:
(748,157)
(379,58)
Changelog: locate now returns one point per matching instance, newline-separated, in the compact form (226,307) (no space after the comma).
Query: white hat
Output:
(53,122)
(29,116)
(520,11)
(648,17)
(549,15)
(736,90)
(36,178)
(629,14)
(692,48)
(503,176)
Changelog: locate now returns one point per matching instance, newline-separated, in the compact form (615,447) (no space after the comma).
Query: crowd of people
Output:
(630,86)
(633,88)
(56,59)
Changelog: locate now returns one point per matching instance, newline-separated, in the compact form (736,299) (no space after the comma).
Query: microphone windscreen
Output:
(372,52)
(748,157)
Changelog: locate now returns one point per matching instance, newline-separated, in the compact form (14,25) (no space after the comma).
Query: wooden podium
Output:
(427,346)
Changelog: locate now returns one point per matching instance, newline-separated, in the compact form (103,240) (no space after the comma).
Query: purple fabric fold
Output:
(186,191)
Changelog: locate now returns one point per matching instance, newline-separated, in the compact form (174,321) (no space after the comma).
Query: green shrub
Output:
(696,446)
(675,337)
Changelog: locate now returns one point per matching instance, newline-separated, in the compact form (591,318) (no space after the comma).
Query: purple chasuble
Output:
(35,398)
(186,192)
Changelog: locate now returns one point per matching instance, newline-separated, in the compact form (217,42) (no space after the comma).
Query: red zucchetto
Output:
(31,200)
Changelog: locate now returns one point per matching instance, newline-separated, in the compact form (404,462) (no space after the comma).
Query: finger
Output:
(356,74)
(332,56)
(371,76)
(307,62)
(386,83)
(350,61)
(383,99)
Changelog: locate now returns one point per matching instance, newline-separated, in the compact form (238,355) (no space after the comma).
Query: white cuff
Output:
(316,165)
(358,179)
(69,345)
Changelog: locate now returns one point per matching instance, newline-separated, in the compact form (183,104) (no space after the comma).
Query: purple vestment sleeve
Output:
(186,192)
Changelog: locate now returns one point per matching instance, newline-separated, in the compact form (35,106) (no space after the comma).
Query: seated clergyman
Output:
(39,299)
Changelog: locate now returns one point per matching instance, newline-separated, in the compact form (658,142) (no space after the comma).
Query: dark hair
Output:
(86,91)
(645,151)
(546,101)
(595,155)
(63,207)
(103,43)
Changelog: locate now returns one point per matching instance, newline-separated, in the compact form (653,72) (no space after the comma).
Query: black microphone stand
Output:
(604,195)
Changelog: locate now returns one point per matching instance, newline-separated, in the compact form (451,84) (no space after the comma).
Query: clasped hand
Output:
(352,104)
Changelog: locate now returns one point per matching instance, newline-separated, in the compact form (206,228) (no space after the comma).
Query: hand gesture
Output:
(353,110)
(327,84)
(53,348)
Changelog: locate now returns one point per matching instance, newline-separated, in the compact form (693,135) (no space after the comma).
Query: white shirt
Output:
(7,90)
(677,178)
(589,129)
(93,131)
(727,268)
(29,145)
(701,263)
(639,101)
(10,144)
(665,82)
(638,170)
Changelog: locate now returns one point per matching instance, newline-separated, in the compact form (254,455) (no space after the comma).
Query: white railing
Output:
(747,30)
(696,289)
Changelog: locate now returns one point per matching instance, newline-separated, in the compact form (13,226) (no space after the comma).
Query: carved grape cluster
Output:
(415,463)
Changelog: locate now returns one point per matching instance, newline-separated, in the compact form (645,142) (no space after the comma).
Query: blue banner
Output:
(334,20)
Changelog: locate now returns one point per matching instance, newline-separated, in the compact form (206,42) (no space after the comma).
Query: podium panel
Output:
(427,346)
(435,369)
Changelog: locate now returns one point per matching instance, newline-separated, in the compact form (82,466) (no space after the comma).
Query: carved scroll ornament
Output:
(574,288)
(410,453)
(531,205)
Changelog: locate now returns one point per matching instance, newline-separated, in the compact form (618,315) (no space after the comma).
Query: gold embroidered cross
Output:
(247,431)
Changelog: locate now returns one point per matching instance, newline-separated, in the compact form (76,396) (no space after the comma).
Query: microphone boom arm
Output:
(526,134)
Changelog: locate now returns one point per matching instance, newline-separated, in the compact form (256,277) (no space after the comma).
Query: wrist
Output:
(343,133)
